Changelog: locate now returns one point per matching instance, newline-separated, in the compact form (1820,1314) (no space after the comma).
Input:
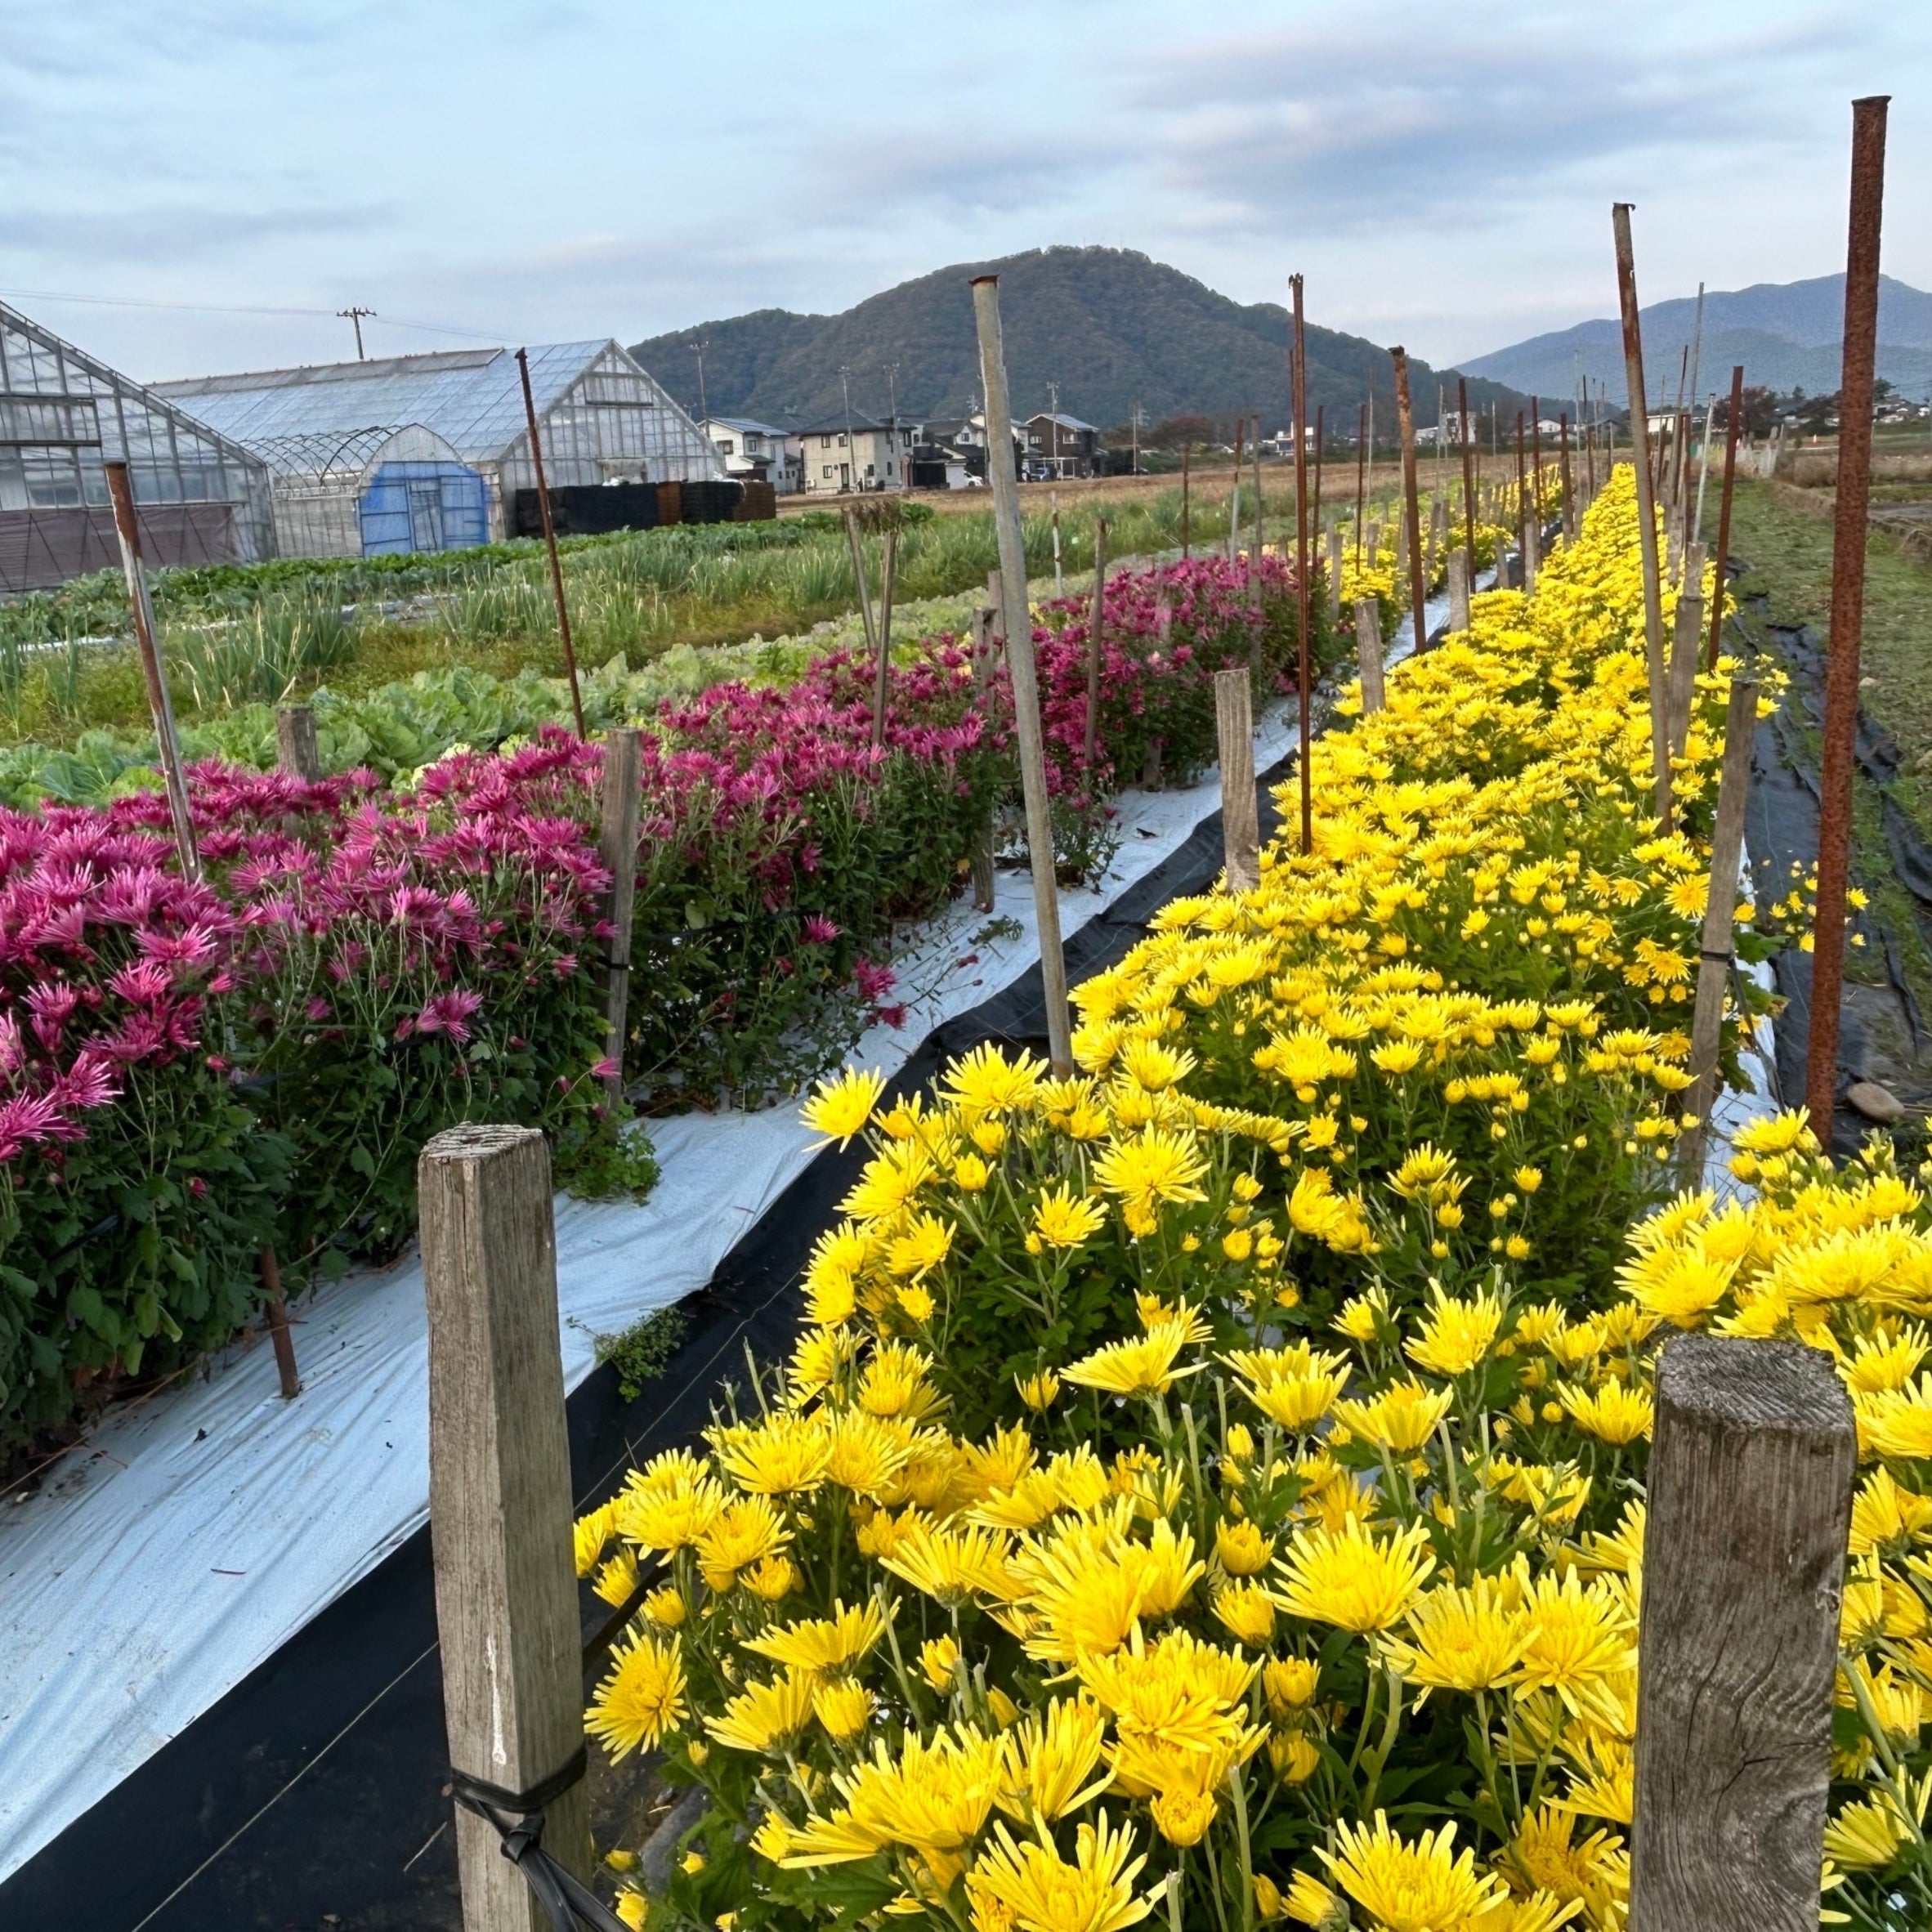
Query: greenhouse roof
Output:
(471,397)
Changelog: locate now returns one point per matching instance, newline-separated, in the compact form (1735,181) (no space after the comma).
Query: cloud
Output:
(1310,131)
(152,236)
(904,171)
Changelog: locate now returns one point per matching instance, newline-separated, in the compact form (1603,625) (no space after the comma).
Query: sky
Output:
(506,171)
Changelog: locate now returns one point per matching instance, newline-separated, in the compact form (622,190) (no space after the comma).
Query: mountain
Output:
(1786,334)
(1111,328)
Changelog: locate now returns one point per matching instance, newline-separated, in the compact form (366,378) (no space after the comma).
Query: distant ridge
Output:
(1786,334)
(1111,326)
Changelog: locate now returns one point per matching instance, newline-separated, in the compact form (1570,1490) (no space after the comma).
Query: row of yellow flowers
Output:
(1208,1489)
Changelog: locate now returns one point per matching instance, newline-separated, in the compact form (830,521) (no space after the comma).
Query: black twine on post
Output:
(518,1819)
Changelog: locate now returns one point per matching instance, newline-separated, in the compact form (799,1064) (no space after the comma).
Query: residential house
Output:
(1057,446)
(856,455)
(757,451)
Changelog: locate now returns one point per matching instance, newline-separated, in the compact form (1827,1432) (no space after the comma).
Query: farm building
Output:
(373,492)
(198,498)
(601,418)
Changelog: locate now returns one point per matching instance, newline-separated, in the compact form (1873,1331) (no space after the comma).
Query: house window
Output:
(825,442)
(825,469)
(727,448)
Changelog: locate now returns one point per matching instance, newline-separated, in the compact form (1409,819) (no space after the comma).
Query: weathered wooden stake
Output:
(1304,664)
(276,1305)
(1335,576)
(1234,500)
(1025,682)
(1752,1468)
(1459,590)
(617,850)
(1059,574)
(499,1501)
(1186,501)
(1653,603)
(296,750)
(1720,905)
(120,493)
(1368,651)
(858,570)
(1241,817)
(882,665)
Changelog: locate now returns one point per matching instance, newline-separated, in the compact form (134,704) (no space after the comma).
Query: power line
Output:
(215,308)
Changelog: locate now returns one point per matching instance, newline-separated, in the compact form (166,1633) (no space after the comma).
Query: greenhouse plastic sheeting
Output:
(193,1534)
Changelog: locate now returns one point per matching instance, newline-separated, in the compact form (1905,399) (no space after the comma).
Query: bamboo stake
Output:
(1361,479)
(1335,575)
(1412,519)
(981,855)
(1653,603)
(620,796)
(1234,500)
(1687,645)
(1724,515)
(168,746)
(1305,678)
(1025,682)
(1468,474)
(1059,575)
(882,670)
(1260,540)
(1716,954)
(557,584)
(1696,524)
(859,576)
(1186,546)
(1096,644)
(1459,590)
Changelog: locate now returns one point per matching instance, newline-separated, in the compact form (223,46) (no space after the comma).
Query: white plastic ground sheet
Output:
(194,1536)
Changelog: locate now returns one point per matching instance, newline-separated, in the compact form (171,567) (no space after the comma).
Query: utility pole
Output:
(904,448)
(355,315)
(1053,420)
(700,344)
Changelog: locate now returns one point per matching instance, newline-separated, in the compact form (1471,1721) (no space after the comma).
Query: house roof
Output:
(1064,420)
(745,425)
(472,398)
(836,425)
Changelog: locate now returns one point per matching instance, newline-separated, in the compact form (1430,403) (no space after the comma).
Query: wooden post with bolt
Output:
(1241,818)
(296,750)
(1020,668)
(1459,590)
(1368,652)
(1752,1468)
(1687,648)
(1720,905)
(617,850)
(500,1504)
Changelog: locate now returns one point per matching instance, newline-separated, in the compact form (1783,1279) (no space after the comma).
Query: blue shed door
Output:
(422,507)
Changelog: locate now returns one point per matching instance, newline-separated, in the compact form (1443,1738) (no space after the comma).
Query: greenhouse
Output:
(603,419)
(198,498)
(373,492)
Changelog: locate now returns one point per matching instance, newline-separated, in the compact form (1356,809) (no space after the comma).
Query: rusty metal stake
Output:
(1653,599)
(276,1304)
(1724,514)
(557,587)
(1304,677)
(1847,605)
(1406,419)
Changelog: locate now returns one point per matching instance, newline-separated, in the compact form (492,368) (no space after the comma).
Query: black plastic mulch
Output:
(310,1796)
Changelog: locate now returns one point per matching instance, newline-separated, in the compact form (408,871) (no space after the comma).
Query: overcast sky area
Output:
(553,169)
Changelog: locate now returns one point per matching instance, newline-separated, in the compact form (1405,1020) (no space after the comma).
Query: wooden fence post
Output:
(858,572)
(1720,904)
(499,1501)
(617,850)
(1241,817)
(1335,576)
(1753,1460)
(1368,652)
(296,751)
(1459,590)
